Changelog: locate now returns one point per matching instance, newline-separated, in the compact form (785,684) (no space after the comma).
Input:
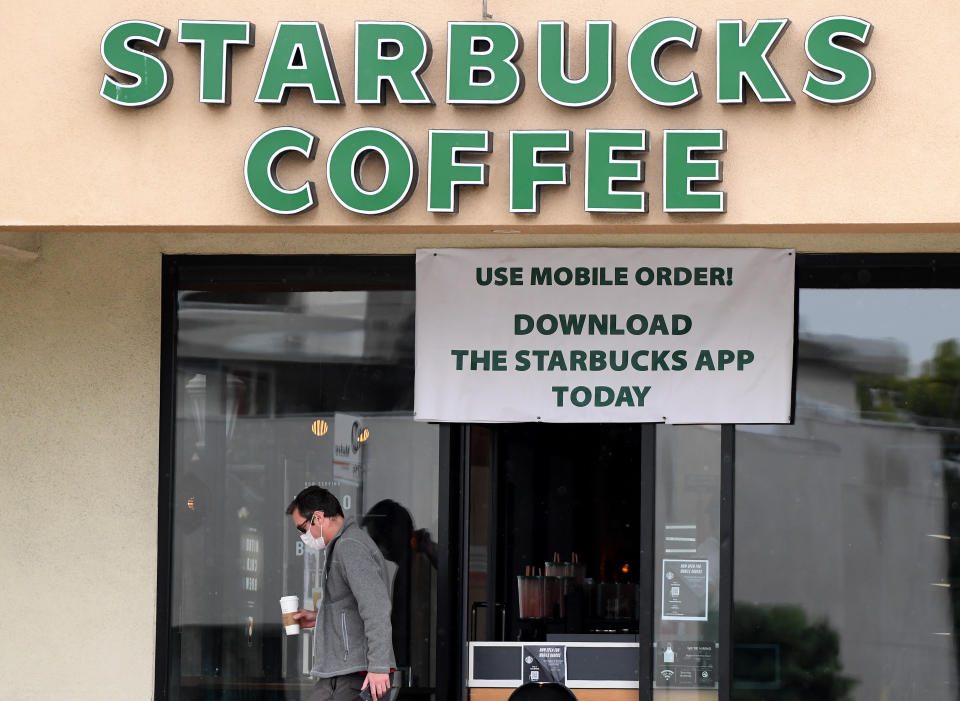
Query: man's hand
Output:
(306,619)
(379,684)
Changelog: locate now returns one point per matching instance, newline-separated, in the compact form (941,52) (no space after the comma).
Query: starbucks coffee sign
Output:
(482,69)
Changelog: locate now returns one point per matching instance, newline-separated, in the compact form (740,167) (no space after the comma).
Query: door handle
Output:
(474,610)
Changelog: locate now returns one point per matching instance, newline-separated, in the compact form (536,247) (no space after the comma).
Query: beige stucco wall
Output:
(78,472)
(79,161)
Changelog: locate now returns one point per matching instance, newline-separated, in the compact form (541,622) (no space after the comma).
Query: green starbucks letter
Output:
(151,77)
(481,63)
(343,170)
(681,171)
(445,172)
(553,64)
(215,39)
(604,170)
(855,73)
(299,57)
(393,53)
(740,60)
(260,170)
(527,174)
(644,62)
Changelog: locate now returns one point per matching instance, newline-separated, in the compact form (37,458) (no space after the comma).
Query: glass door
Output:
(566,517)
(555,551)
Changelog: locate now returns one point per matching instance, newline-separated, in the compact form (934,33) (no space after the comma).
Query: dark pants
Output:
(345,688)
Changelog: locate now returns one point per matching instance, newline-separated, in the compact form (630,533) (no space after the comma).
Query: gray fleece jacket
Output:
(353,631)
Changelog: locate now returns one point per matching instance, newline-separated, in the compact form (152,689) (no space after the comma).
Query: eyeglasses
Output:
(302,527)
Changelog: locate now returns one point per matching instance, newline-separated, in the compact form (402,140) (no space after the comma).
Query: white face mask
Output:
(311,542)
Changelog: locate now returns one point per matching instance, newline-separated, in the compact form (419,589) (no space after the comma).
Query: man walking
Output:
(352,639)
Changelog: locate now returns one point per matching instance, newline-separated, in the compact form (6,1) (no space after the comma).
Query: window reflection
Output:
(847,567)
(686,590)
(277,391)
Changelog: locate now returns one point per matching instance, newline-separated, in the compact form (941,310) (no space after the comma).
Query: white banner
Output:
(605,335)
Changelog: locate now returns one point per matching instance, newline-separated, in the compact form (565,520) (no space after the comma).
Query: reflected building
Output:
(845,516)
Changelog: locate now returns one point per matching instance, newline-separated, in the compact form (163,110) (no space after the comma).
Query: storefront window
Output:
(686,641)
(846,567)
(275,391)
(564,502)
(847,558)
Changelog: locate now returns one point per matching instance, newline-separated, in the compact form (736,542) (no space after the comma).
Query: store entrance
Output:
(594,560)
(554,532)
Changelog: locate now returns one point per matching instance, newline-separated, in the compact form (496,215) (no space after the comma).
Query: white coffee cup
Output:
(289,605)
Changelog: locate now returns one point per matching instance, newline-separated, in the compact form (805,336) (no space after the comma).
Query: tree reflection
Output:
(779,655)
(930,399)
